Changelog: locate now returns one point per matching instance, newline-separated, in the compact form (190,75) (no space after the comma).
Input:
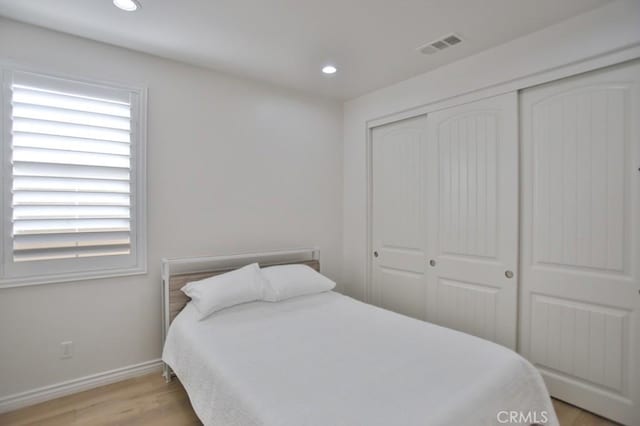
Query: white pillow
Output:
(286,281)
(222,291)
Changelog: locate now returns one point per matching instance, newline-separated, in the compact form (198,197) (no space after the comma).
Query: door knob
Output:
(375,254)
(432,262)
(508,274)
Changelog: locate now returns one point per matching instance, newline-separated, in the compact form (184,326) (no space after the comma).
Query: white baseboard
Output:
(34,396)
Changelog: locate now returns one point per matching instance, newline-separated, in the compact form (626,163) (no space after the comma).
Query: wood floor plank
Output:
(567,414)
(570,415)
(149,401)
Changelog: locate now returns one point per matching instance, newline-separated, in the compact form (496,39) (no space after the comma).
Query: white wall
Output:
(233,165)
(607,29)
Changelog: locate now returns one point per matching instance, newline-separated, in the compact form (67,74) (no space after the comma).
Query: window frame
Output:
(44,271)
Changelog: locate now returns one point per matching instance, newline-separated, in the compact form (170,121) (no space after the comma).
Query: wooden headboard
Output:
(178,300)
(178,272)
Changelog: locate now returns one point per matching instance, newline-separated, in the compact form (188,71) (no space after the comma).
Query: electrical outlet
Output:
(66,349)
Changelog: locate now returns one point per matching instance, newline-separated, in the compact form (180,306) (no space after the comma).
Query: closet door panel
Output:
(472,201)
(468,184)
(398,237)
(580,301)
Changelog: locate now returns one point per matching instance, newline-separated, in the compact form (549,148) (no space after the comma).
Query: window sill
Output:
(64,278)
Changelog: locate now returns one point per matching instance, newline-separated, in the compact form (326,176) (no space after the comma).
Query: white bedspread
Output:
(328,359)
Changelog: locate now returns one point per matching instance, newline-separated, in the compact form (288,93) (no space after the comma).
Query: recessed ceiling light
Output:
(127,5)
(329,69)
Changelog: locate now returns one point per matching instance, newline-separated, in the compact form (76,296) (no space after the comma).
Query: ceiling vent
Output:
(440,44)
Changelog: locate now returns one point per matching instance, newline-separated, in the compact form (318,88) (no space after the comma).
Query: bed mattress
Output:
(327,359)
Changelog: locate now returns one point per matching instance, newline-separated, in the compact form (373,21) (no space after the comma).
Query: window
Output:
(73,163)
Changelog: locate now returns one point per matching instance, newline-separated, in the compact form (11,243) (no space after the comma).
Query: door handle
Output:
(508,273)
(432,262)
(375,254)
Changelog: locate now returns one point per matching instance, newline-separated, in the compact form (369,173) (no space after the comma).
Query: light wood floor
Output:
(148,400)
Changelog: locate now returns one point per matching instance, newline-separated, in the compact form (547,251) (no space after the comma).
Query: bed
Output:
(327,359)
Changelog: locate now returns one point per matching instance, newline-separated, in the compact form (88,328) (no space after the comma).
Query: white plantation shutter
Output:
(72,174)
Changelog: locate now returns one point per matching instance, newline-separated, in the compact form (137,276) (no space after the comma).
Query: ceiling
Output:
(286,42)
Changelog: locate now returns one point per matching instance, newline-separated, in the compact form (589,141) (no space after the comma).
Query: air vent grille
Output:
(440,44)
(452,39)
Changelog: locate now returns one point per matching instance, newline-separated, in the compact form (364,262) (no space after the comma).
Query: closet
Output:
(444,216)
(516,218)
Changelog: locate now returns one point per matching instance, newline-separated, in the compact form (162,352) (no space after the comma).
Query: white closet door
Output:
(398,237)
(472,210)
(580,301)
